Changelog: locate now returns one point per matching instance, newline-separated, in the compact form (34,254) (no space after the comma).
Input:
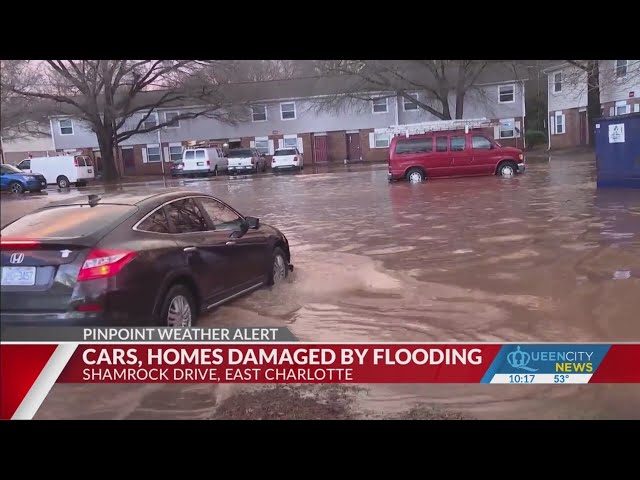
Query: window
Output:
(222,217)
(557,82)
(153,153)
(458,143)
(381,140)
(80,162)
(621,68)
(258,113)
(169,116)
(190,155)
(200,155)
(409,105)
(560,127)
(25,165)
(284,153)
(380,105)
(288,111)
(506,94)
(9,169)
(441,144)
(175,153)
(480,143)
(150,121)
(262,145)
(507,129)
(66,126)
(415,145)
(290,142)
(156,223)
(622,108)
(186,217)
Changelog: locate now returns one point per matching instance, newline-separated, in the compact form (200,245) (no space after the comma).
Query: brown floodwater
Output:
(540,257)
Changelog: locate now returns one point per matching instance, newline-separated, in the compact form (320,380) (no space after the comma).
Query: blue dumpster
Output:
(618,151)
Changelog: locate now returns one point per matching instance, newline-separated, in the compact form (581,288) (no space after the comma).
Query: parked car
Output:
(14,180)
(200,161)
(63,170)
(246,160)
(126,259)
(451,154)
(287,159)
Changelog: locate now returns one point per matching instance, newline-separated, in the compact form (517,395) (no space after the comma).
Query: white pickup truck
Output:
(246,160)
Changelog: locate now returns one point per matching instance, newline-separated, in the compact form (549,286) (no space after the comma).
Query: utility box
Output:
(617,142)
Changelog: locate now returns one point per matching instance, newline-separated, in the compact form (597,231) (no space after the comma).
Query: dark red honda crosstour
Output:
(133,260)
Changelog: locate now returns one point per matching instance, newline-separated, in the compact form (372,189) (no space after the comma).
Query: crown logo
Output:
(520,360)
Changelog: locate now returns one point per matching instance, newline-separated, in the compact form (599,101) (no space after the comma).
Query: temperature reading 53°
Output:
(560,378)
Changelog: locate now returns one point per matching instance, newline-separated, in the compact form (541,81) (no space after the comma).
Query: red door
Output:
(583,128)
(320,149)
(128,160)
(353,147)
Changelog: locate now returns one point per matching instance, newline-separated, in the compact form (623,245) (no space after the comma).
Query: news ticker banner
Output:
(30,368)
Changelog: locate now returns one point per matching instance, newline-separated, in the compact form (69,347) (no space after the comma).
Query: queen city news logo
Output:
(550,360)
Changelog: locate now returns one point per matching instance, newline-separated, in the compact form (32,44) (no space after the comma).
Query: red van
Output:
(452,153)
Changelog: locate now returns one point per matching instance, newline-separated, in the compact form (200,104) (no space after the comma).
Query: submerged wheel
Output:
(416,175)
(279,267)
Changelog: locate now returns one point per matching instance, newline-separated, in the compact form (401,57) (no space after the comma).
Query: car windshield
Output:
(10,169)
(281,153)
(240,153)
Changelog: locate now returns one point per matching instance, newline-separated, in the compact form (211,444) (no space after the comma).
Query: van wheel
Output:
(15,187)
(416,175)
(507,169)
(62,181)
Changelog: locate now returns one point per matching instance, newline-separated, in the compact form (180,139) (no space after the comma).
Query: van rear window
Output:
(80,161)
(68,221)
(414,145)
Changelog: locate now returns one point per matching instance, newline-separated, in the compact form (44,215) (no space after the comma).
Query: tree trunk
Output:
(105,142)
(459,105)
(446,111)
(593,98)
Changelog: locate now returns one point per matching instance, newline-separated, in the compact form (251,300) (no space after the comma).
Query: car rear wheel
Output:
(16,187)
(507,169)
(62,181)
(179,308)
(279,267)
(416,175)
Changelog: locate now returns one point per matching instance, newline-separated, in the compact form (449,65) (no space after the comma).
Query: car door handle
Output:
(190,249)
(230,242)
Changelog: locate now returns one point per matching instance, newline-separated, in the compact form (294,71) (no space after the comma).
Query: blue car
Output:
(15,180)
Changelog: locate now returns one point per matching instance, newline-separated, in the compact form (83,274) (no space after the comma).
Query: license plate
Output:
(18,276)
(200,164)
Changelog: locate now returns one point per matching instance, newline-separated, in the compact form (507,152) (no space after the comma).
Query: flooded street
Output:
(540,257)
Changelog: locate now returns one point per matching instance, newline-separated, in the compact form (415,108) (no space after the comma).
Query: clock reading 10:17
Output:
(521,378)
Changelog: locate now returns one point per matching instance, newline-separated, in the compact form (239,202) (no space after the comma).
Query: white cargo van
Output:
(63,170)
(201,161)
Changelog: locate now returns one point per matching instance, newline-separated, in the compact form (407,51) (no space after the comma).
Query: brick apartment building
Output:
(567,98)
(287,112)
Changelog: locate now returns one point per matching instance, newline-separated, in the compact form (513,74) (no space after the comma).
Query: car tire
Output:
(507,169)
(416,175)
(279,267)
(178,308)
(16,187)
(62,181)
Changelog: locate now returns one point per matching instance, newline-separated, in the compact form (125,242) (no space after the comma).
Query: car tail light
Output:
(253,161)
(17,244)
(75,162)
(89,307)
(295,159)
(104,263)
(208,163)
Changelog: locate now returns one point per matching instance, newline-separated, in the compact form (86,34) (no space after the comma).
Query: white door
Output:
(84,167)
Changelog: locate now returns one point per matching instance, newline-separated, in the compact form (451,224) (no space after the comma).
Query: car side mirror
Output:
(253,222)
(244,227)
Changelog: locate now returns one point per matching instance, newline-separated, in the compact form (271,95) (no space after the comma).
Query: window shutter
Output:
(612,111)
(564,124)
(636,108)
(271,149)
(300,144)
(144,155)
(372,140)
(517,129)
(280,143)
(496,132)
(252,144)
(166,154)
(552,125)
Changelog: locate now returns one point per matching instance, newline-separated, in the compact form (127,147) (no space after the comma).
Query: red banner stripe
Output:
(20,366)
(621,364)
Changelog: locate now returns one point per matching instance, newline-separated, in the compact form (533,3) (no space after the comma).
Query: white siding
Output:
(574,89)
(614,89)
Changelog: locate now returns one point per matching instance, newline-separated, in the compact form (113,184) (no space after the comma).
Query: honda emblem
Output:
(16,258)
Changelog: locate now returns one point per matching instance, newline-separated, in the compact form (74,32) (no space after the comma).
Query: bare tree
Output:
(19,117)
(118,97)
(591,77)
(439,79)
